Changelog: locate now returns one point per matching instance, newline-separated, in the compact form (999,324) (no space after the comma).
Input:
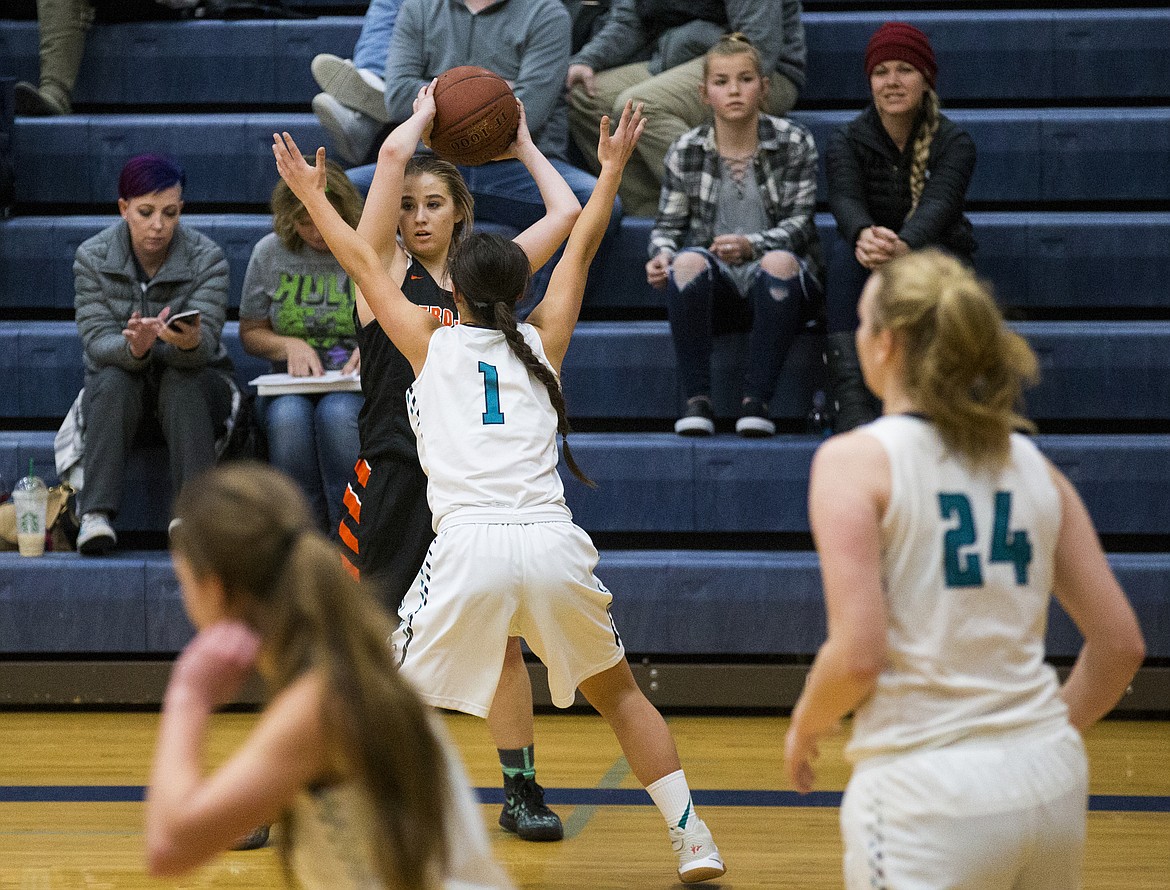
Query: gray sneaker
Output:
(96,536)
(356,88)
(698,857)
(352,132)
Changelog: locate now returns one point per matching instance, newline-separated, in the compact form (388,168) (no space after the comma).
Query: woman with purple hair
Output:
(133,281)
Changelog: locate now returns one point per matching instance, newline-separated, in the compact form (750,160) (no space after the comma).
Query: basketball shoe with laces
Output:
(698,857)
(525,814)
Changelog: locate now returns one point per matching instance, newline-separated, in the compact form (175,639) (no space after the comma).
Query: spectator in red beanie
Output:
(898,176)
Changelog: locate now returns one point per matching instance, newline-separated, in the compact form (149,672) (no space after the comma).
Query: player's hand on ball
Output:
(302,177)
(424,108)
(523,141)
(616,149)
(215,664)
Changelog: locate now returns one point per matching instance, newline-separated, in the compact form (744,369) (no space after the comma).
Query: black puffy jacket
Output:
(869,184)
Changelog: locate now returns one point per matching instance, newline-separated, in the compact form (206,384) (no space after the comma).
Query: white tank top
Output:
(967,565)
(332,843)
(485,428)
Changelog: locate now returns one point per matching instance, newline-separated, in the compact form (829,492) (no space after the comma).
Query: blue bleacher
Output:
(1052,55)
(1033,259)
(1070,111)
(680,602)
(1025,155)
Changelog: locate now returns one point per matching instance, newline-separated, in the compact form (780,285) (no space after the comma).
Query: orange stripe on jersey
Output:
(352,503)
(363,472)
(351,568)
(348,538)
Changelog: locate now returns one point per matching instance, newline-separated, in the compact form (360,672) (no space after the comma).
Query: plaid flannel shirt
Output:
(786,169)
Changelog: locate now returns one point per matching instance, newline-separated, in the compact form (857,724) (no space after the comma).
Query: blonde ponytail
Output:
(963,367)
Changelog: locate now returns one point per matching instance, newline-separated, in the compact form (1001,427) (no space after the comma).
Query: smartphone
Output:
(182,318)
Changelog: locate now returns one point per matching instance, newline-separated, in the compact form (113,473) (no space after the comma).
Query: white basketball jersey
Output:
(967,564)
(485,427)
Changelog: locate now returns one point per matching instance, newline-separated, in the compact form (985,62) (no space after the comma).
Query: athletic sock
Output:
(518,763)
(672,796)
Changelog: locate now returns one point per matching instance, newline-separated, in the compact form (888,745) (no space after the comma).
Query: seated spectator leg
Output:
(585,111)
(776,298)
(852,402)
(63,25)
(113,411)
(292,448)
(690,307)
(506,193)
(361,177)
(373,41)
(336,432)
(193,406)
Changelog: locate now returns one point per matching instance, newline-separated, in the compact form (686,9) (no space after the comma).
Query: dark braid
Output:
(492,273)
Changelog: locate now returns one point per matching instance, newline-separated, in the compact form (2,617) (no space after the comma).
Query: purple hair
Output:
(149,173)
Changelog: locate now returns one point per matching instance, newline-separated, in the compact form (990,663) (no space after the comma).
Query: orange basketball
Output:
(476,115)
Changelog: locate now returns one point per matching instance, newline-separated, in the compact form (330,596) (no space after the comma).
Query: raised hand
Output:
(523,141)
(424,111)
(303,178)
(616,149)
(215,664)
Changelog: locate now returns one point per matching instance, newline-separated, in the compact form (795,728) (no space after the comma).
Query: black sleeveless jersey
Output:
(383,427)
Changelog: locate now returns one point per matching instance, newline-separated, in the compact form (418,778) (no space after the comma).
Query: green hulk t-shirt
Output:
(304,294)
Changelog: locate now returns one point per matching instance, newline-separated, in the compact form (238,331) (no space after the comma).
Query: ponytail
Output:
(248,525)
(963,366)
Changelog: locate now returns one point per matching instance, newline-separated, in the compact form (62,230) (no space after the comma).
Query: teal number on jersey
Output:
(491,394)
(963,569)
(1009,546)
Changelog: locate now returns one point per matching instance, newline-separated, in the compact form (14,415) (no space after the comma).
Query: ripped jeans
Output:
(710,303)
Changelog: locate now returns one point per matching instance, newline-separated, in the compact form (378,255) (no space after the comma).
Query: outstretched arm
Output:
(561,207)
(409,329)
(379,222)
(556,316)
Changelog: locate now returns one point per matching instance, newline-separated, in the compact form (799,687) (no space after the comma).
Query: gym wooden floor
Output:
(70,810)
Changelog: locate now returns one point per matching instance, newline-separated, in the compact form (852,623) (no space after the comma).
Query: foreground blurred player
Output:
(942,534)
(486,407)
(369,793)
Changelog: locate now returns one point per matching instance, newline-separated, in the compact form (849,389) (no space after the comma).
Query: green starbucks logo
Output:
(29,524)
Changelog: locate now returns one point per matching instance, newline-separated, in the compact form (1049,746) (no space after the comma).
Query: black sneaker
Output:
(753,419)
(525,814)
(698,419)
(254,840)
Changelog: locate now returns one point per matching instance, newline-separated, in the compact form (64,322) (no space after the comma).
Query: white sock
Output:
(672,796)
(372,79)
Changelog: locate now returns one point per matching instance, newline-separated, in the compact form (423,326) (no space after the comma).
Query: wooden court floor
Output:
(70,805)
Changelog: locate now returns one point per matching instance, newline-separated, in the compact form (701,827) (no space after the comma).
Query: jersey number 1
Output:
(491,394)
(964,569)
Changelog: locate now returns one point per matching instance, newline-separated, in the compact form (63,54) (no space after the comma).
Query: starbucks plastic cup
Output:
(31,498)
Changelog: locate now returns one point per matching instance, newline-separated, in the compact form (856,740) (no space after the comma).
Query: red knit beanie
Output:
(901,42)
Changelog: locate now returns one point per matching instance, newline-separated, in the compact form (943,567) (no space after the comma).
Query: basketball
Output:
(476,115)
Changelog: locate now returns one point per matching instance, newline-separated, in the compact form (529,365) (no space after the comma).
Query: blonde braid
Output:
(922,149)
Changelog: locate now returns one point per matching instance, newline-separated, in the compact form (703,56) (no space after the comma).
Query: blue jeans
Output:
(314,439)
(506,193)
(373,43)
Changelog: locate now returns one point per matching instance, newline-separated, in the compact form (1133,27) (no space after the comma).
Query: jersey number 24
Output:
(961,564)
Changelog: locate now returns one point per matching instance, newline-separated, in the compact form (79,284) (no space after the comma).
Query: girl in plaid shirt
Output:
(734,243)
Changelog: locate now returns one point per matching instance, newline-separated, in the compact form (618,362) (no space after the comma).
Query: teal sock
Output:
(518,763)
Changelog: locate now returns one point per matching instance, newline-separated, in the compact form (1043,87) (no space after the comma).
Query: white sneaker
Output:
(352,132)
(698,857)
(357,88)
(96,536)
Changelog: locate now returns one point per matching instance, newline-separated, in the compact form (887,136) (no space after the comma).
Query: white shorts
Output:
(483,582)
(1006,814)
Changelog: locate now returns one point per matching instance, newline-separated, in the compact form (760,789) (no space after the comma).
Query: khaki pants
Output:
(672,107)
